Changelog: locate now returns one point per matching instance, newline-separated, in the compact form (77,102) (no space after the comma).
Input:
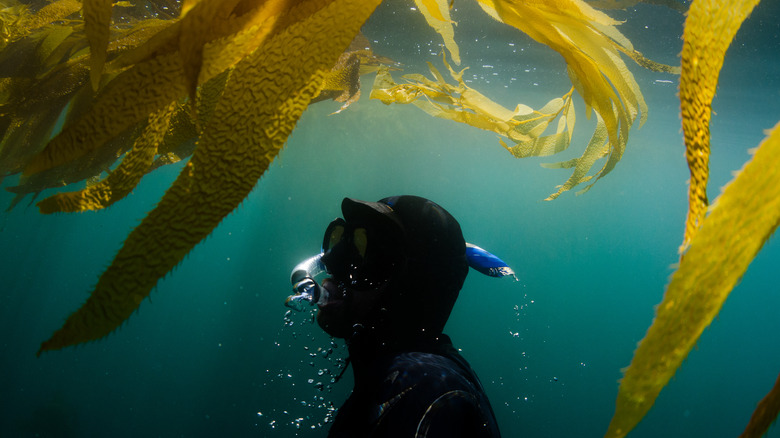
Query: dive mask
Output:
(346,258)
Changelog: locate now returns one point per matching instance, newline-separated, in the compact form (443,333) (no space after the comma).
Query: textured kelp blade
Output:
(126,100)
(97,20)
(342,83)
(709,29)
(742,219)
(121,180)
(765,414)
(437,14)
(145,88)
(261,103)
(50,13)
(203,23)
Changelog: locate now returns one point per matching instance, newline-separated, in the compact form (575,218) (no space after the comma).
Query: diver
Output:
(395,269)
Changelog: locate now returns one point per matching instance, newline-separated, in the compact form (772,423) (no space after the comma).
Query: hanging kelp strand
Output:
(727,240)
(708,33)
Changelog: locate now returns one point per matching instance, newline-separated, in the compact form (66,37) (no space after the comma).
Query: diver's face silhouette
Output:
(361,262)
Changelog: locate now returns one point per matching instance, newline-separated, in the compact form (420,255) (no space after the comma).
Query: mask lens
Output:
(347,256)
(360,240)
(333,234)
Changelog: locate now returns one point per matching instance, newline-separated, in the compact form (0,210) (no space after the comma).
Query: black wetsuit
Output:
(427,390)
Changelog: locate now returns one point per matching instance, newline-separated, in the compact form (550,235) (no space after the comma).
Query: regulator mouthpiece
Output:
(305,289)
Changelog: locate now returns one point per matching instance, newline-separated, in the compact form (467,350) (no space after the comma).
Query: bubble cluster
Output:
(309,382)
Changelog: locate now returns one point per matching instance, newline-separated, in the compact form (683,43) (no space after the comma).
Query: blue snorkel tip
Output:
(487,263)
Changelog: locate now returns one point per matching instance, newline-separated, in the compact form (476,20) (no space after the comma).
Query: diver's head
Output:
(396,267)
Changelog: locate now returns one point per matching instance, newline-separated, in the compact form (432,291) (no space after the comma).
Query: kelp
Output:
(740,222)
(717,248)
(588,40)
(237,74)
(342,83)
(523,126)
(16,20)
(121,180)
(591,45)
(97,21)
(461,103)
(437,14)
(47,73)
(263,97)
(181,70)
(765,414)
(597,148)
(706,31)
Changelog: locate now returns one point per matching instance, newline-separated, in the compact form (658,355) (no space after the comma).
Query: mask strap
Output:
(487,263)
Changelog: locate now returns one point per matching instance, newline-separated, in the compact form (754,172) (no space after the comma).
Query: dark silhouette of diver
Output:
(396,267)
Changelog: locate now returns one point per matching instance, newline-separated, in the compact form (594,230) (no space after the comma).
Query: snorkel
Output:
(307,290)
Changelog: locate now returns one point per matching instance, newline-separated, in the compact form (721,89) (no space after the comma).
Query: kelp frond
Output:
(437,14)
(523,126)
(591,45)
(706,32)
(717,258)
(121,180)
(718,248)
(278,54)
(588,41)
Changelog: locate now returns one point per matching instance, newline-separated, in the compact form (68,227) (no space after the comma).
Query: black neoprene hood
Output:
(429,232)
(435,266)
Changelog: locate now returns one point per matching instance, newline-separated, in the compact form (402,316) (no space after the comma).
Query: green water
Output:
(211,354)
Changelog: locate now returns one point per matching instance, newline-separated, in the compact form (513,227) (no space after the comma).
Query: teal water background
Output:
(212,354)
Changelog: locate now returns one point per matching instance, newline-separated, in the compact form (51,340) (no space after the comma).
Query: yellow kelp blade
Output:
(186,5)
(742,219)
(598,147)
(148,86)
(437,14)
(765,413)
(524,126)
(97,22)
(50,13)
(126,100)
(121,180)
(589,42)
(342,83)
(263,99)
(463,104)
(709,29)
(202,24)
(32,110)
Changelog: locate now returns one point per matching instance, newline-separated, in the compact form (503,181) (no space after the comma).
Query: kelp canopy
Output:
(222,83)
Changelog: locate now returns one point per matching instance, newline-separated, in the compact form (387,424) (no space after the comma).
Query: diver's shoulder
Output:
(429,370)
